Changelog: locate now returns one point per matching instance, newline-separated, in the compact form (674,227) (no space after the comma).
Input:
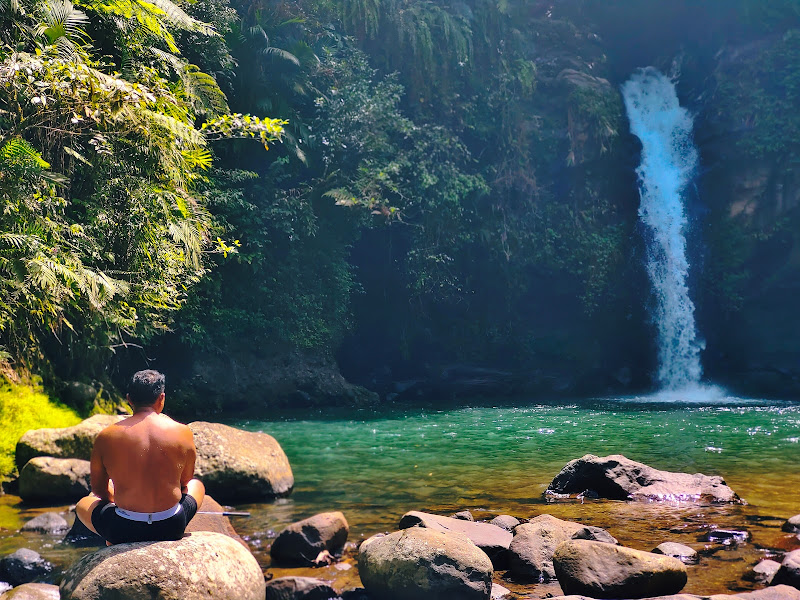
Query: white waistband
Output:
(132,515)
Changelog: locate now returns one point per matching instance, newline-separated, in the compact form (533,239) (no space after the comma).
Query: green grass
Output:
(25,407)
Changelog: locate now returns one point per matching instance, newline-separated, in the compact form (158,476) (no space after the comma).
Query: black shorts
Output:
(119,530)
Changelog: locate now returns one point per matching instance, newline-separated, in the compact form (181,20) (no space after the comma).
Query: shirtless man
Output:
(142,469)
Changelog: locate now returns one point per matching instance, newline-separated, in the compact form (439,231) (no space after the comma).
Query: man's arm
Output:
(191,457)
(99,475)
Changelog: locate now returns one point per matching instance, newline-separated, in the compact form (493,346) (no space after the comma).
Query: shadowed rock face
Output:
(301,542)
(602,570)
(618,478)
(421,563)
(201,566)
(789,573)
(65,442)
(240,465)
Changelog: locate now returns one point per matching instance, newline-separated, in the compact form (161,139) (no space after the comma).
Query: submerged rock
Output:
(299,588)
(240,465)
(49,522)
(418,563)
(64,442)
(48,479)
(618,478)
(531,550)
(603,570)
(302,542)
(493,540)
(32,591)
(23,566)
(201,566)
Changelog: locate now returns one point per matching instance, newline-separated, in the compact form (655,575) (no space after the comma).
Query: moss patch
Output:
(25,407)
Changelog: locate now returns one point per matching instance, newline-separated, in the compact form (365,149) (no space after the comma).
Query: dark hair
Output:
(145,388)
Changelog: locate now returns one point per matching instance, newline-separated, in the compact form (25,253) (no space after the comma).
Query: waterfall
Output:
(669,160)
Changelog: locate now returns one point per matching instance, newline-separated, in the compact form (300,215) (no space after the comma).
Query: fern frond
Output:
(20,153)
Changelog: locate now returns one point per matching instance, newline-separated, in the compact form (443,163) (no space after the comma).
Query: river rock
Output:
(65,442)
(464,515)
(598,534)
(48,479)
(32,591)
(200,566)
(23,566)
(299,588)
(418,563)
(685,554)
(493,540)
(792,525)
(618,478)
(301,542)
(763,572)
(240,465)
(531,551)
(789,573)
(606,571)
(780,592)
(507,522)
(49,522)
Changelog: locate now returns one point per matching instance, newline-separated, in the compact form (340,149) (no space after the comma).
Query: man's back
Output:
(149,457)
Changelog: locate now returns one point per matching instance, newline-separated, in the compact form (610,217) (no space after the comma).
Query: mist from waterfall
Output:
(669,161)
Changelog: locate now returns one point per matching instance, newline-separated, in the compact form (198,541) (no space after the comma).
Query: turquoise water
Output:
(376,465)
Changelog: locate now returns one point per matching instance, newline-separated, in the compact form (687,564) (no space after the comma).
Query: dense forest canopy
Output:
(446,182)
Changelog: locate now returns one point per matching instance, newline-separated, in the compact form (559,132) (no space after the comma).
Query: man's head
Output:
(146,388)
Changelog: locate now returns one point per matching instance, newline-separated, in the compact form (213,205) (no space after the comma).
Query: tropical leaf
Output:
(18,151)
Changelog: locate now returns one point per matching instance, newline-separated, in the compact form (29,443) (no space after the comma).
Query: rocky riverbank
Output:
(471,554)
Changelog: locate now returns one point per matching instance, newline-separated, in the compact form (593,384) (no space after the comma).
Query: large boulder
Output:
(32,591)
(240,465)
(602,570)
(48,479)
(302,542)
(65,442)
(531,551)
(619,478)
(23,566)
(299,588)
(493,540)
(201,566)
(420,563)
(789,573)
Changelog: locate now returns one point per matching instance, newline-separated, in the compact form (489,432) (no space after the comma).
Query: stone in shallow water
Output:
(763,572)
(49,522)
(600,570)
(299,588)
(48,479)
(685,554)
(789,573)
(23,566)
(302,542)
(619,478)
(792,525)
(531,550)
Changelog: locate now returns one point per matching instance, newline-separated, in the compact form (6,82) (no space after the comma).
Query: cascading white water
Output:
(669,160)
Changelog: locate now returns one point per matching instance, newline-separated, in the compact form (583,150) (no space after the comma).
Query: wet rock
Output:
(792,525)
(23,566)
(464,515)
(507,522)
(685,554)
(201,566)
(531,550)
(493,540)
(780,592)
(418,563)
(48,479)
(499,592)
(727,537)
(32,591)
(763,572)
(65,442)
(619,478)
(240,465)
(603,570)
(302,542)
(299,588)
(789,573)
(598,534)
(49,522)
